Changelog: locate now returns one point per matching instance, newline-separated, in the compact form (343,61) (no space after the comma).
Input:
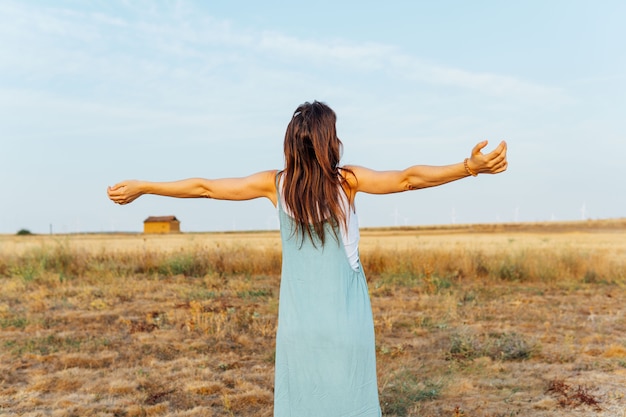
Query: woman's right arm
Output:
(424,176)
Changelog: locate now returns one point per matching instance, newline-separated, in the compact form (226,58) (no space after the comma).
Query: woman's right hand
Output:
(492,163)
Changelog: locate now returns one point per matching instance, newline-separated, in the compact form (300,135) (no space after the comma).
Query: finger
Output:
(502,147)
(499,152)
(479,146)
(116,187)
(497,157)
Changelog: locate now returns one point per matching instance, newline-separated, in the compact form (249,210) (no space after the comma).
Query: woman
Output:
(325,351)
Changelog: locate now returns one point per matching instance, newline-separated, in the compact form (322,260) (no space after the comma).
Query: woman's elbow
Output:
(410,186)
(203,189)
(411,182)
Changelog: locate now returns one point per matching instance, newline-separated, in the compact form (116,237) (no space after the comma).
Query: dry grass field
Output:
(476,321)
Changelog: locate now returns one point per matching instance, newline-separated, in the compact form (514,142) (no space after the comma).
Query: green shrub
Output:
(466,345)
(407,388)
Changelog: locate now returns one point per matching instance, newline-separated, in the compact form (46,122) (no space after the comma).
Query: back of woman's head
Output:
(312,181)
(311,138)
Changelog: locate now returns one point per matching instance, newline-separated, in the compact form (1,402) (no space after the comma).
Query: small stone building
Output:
(161,224)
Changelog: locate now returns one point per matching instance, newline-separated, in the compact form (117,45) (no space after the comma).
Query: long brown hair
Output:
(312,180)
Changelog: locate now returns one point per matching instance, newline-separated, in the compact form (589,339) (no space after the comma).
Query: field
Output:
(476,321)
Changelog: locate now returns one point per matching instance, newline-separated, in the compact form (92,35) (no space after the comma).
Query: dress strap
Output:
(277,183)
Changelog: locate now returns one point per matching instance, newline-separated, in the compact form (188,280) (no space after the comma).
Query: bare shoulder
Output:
(267,175)
(354,174)
(259,184)
(265,179)
(350,174)
(362,179)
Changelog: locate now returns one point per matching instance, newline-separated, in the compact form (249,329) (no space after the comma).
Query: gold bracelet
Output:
(467,168)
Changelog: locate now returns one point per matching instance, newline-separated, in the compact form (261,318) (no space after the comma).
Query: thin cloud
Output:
(370,56)
(380,57)
(204,43)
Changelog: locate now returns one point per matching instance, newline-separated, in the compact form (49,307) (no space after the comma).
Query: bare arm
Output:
(424,176)
(246,188)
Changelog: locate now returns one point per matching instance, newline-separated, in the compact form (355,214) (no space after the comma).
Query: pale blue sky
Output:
(95,92)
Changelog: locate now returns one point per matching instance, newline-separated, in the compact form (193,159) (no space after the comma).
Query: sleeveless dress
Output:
(325,349)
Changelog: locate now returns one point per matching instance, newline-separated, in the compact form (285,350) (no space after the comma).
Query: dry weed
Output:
(572,397)
(466,323)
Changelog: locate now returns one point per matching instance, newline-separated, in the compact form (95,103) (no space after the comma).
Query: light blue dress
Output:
(325,349)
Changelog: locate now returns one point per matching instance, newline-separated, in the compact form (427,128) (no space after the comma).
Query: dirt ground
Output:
(452,346)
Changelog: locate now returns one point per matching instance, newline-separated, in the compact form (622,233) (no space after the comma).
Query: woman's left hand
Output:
(492,163)
(124,192)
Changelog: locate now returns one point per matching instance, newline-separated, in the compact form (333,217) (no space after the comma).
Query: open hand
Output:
(492,163)
(124,192)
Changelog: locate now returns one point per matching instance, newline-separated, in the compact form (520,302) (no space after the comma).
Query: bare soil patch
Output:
(517,321)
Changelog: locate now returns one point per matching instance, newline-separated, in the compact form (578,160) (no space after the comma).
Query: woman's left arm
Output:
(261,184)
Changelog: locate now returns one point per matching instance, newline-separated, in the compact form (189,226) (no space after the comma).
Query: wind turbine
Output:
(396,215)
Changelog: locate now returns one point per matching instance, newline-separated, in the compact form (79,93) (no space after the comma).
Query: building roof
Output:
(157,219)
